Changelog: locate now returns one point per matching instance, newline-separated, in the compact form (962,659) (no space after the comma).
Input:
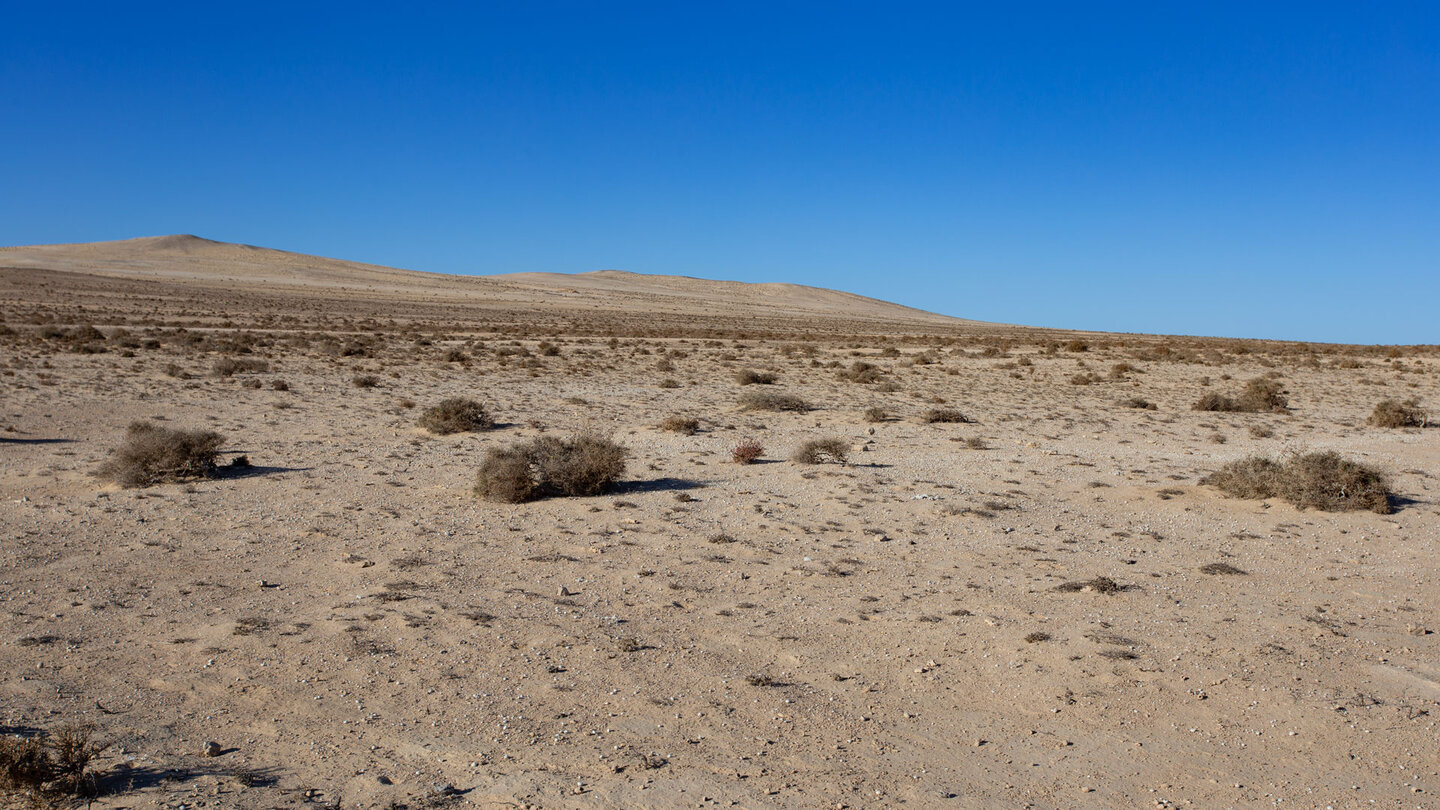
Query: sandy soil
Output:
(355,628)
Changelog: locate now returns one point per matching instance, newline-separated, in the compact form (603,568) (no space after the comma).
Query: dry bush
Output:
(944,416)
(1139,403)
(583,464)
(746,452)
(669,383)
(229,366)
(687,425)
(1216,402)
(54,763)
(25,764)
(152,454)
(456,415)
(1260,396)
(365,381)
(817,451)
(772,401)
(876,415)
(1321,480)
(752,377)
(861,372)
(1390,413)
(1077,345)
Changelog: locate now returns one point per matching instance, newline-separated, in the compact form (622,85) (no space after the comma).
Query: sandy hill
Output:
(192,262)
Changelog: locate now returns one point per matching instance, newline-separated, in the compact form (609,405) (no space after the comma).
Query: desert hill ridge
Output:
(193,261)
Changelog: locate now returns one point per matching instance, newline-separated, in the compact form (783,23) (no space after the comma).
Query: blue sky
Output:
(1251,170)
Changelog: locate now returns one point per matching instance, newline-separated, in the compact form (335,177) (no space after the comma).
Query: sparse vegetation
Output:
(456,415)
(1260,396)
(818,451)
(151,454)
(583,464)
(1140,403)
(365,381)
(1320,480)
(876,415)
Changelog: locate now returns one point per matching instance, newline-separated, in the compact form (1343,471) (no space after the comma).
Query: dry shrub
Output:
(817,451)
(152,454)
(746,452)
(583,464)
(1322,480)
(861,372)
(25,764)
(1216,402)
(751,377)
(456,415)
(669,383)
(687,425)
(772,401)
(58,759)
(1077,345)
(1139,403)
(1392,414)
(365,381)
(876,415)
(1260,396)
(944,416)
(229,366)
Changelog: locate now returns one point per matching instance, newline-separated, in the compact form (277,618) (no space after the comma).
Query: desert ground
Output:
(1040,606)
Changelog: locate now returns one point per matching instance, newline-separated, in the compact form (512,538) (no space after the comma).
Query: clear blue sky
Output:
(1246,169)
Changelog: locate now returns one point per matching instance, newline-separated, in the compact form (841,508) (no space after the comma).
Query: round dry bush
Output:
(151,454)
(1390,413)
(772,401)
(584,464)
(746,452)
(1216,402)
(456,415)
(1322,480)
(860,372)
(752,377)
(944,415)
(1263,395)
(505,476)
(1330,483)
(681,424)
(817,451)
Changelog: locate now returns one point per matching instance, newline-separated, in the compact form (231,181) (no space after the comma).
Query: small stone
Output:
(210,749)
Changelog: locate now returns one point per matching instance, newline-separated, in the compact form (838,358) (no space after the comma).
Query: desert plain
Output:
(1015,591)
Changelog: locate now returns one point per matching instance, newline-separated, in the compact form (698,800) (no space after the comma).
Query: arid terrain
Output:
(1016,592)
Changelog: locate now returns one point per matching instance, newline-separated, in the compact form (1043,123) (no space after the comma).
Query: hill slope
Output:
(191,262)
